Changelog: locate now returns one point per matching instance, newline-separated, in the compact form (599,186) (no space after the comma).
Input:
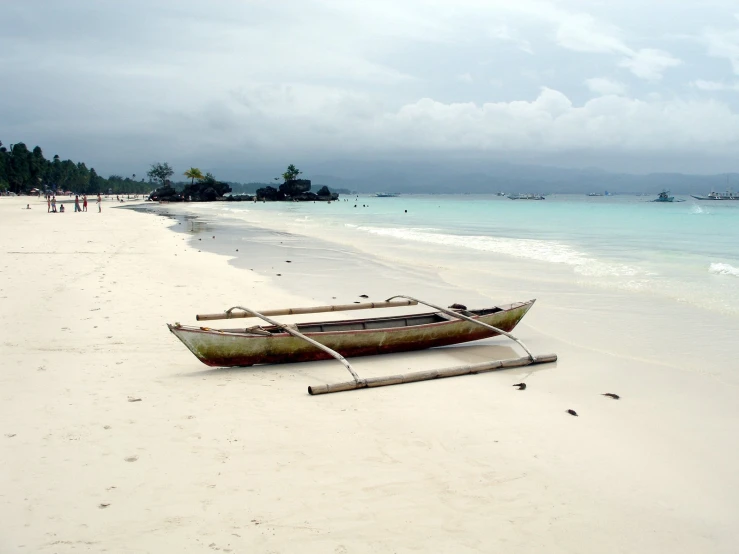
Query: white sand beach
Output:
(114,438)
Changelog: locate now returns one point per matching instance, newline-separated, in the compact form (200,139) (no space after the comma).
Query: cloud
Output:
(504,34)
(723,44)
(713,86)
(603,86)
(328,76)
(549,123)
(584,33)
(552,123)
(649,63)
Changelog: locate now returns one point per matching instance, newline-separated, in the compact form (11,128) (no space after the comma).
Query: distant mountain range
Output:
(447,175)
(480,177)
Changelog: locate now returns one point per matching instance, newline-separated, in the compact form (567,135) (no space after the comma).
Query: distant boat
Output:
(664,196)
(594,194)
(728,195)
(386,194)
(526,197)
(501,193)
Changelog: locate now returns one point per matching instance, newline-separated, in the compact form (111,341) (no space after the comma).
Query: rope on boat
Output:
(467,318)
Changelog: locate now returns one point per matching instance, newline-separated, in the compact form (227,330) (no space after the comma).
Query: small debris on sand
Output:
(134,399)
(611,395)
(103,505)
(572,412)
(363,296)
(131,458)
(521,386)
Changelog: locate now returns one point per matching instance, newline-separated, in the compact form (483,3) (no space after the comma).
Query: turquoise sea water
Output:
(684,252)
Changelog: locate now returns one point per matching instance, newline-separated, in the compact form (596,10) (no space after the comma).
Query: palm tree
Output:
(194,173)
(291,174)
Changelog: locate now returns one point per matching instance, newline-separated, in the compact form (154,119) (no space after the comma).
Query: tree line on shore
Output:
(22,170)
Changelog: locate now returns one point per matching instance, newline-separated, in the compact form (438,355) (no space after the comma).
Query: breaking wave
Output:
(540,250)
(723,269)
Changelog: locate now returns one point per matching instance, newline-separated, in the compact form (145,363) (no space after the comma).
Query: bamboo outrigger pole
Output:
(229,314)
(430,374)
(467,318)
(438,373)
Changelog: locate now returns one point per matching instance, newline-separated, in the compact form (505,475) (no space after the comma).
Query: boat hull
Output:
(715,197)
(227,349)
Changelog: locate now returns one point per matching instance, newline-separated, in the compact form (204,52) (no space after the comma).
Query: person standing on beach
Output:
(100,207)
(48,204)
(84,202)
(77,204)
(53,204)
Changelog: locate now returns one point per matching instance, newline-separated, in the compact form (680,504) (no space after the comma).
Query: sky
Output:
(239,86)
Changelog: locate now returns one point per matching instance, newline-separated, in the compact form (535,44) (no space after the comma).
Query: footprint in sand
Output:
(131,458)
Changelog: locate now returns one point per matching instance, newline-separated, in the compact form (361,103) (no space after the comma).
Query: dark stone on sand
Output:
(295,190)
(204,191)
(239,198)
(572,412)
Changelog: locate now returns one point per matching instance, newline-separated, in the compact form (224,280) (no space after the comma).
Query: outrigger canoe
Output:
(351,337)
(284,343)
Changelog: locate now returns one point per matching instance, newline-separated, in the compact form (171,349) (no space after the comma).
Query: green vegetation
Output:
(291,174)
(160,172)
(22,170)
(194,173)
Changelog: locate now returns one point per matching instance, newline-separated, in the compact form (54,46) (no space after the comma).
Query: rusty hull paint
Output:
(228,349)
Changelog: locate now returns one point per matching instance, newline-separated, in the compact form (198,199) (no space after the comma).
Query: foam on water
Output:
(539,250)
(719,268)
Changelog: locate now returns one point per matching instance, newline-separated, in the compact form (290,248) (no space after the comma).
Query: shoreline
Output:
(245,460)
(295,262)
